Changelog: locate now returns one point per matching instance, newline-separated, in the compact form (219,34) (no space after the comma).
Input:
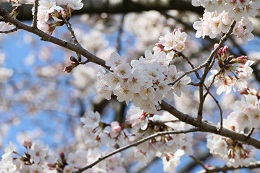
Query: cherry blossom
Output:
(219,15)
(57,10)
(152,83)
(172,41)
(232,72)
(145,83)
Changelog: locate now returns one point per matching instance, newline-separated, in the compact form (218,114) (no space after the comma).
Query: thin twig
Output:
(219,107)
(250,132)
(35,15)
(192,66)
(216,101)
(207,88)
(135,144)
(199,162)
(52,39)
(207,68)
(73,36)
(188,72)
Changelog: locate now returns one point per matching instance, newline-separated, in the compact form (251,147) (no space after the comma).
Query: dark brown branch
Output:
(49,38)
(35,14)
(209,127)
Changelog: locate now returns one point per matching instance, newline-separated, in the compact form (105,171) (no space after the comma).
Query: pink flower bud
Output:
(115,127)
(27,144)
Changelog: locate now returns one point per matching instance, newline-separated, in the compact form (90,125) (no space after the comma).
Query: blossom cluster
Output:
(149,79)
(245,115)
(246,112)
(172,41)
(101,138)
(233,152)
(38,158)
(145,81)
(232,72)
(168,147)
(142,124)
(56,10)
(219,14)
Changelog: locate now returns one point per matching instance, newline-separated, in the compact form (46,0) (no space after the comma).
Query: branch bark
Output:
(205,126)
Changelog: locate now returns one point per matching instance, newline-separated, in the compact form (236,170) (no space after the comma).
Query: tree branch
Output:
(35,15)
(207,68)
(205,126)
(49,38)
(135,144)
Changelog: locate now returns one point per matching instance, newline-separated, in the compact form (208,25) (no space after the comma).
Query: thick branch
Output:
(208,127)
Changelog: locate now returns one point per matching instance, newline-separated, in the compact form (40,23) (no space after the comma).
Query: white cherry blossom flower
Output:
(170,162)
(135,82)
(168,41)
(182,85)
(115,60)
(163,88)
(92,119)
(124,94)
(75,4)
(38,152)
(123,70)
